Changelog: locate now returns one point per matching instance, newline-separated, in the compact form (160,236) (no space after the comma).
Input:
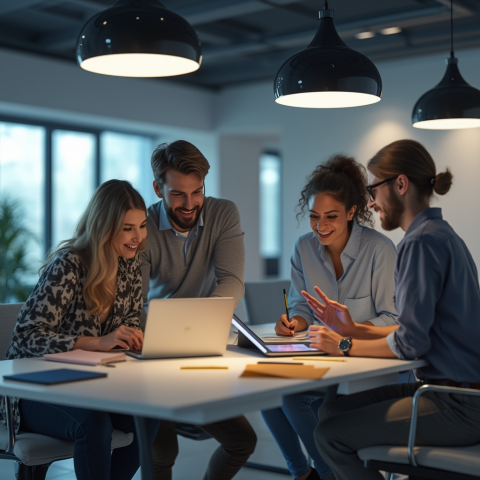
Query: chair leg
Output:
(36,472)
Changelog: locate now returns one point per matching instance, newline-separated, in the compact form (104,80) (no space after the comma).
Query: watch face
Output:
(344,344)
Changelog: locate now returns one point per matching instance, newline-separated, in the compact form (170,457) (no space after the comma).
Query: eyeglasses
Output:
(375,185)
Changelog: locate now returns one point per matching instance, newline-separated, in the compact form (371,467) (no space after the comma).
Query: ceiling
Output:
(248,40)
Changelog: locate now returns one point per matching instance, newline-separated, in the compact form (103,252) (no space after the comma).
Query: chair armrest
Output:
(416,398)
(10,426)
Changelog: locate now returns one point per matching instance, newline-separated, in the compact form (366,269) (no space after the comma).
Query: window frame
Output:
(50,127)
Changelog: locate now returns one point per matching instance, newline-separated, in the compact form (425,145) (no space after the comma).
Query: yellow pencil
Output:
(314,359)
(204,368)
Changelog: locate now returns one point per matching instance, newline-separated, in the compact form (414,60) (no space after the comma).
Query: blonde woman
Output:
(89,296)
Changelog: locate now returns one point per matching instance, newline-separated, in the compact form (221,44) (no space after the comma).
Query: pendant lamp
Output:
(327,74)
(138,38)
(453,103)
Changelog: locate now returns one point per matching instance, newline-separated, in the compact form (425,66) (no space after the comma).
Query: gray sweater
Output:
(214,265)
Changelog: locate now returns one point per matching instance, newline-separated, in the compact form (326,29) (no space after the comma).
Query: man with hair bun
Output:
(437,297)
(195,249)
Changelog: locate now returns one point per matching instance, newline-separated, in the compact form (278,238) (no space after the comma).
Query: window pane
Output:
(73,180)
(270,206)
(22,178)
(127,157)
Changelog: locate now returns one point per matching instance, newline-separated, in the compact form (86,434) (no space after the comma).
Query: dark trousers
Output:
(92,433)
(237,442)
(382,417)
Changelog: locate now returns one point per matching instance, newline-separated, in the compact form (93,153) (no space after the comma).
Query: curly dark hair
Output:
(345,180)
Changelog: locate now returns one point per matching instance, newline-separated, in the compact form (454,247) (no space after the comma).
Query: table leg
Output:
(145,450)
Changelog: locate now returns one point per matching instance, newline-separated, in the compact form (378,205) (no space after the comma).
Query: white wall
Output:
(308,137)
(239,182)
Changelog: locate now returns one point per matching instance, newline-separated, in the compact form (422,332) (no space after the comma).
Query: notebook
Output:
(186,327)
(249,339)
(51,377)
(84,357)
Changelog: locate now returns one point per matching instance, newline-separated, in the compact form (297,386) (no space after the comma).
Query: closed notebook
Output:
(284,371)
(51,377)
(84,357)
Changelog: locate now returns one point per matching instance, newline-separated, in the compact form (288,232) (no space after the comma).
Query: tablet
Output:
(249,339)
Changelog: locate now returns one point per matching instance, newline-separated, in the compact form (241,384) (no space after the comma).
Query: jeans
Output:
(297,417)
(91,431)
(237,442)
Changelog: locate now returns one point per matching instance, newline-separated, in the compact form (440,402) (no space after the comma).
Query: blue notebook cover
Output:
(51,377)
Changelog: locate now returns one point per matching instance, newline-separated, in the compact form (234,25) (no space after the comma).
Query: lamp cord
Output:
(326,5)
(452,55)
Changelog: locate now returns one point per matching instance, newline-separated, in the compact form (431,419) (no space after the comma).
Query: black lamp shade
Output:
(327,74)
(138,38)
(452,104)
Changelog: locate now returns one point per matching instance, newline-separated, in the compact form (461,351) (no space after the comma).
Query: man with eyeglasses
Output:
(437,297)
(195,248)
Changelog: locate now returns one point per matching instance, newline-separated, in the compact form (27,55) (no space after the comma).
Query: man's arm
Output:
(383,289)
(229,257)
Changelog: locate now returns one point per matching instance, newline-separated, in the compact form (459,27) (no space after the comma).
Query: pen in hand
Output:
(292,327)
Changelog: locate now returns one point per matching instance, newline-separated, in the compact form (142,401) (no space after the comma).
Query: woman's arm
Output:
(38,326)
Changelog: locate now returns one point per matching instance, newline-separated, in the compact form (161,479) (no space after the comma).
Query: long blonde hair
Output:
(101,222)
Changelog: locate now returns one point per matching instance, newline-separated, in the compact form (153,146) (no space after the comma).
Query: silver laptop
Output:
(186,327)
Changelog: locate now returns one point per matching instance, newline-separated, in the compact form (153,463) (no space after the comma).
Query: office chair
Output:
(264,301)
(31,452)
(419,463)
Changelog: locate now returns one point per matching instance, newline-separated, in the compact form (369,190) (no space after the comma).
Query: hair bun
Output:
(442,182)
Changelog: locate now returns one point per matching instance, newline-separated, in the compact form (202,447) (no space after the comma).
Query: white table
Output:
(159,389)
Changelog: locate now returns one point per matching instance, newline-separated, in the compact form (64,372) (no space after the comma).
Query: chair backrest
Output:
(8,317)
(264,301)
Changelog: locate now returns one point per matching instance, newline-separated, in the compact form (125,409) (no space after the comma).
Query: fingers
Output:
(282,326)
(132,337)
(333,303)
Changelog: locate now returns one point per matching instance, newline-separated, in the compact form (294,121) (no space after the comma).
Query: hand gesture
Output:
(282,327)
(124,337)
(324,339)
(332,314)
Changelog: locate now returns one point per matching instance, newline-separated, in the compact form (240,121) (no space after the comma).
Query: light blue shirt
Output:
(438,297)
(366,285)
(164,223)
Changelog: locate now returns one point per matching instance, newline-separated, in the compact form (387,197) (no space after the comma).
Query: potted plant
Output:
(15,237)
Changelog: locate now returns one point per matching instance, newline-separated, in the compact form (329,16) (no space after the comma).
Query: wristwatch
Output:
(345,344)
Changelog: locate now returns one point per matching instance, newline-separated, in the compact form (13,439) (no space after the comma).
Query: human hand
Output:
(332,314)
(282,327)
(324,339)
(124,337)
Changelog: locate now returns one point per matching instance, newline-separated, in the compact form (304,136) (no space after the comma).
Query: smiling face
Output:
(133,232)
(329,220)
(386,203)
(183,197)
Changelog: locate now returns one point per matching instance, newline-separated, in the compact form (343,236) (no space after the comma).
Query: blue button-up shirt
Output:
(438,299)
(366,285)
(164,223)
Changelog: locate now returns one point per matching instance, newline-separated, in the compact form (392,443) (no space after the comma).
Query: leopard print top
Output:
(55,314)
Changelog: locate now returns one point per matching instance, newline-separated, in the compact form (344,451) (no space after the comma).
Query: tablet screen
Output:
(298,347)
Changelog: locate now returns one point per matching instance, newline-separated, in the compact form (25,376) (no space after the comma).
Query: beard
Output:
(180,222)
(392,213)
